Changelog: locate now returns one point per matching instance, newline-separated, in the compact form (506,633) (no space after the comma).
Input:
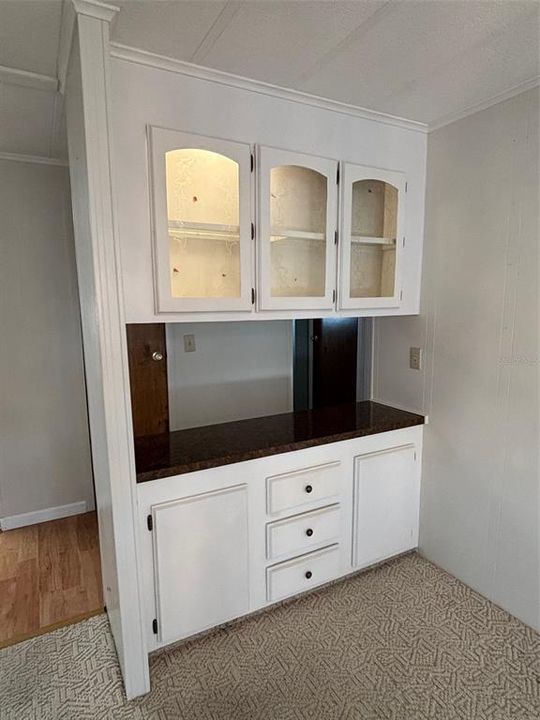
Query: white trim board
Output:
(40,159)
(39,516)
(485,104)
(24,78)
(143,57)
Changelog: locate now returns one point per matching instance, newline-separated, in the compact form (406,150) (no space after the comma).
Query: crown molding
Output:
(39,159)
(485,104)
(143,57)
(95,9)
(24,78)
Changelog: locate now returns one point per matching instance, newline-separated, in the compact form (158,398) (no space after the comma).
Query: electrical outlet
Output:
(415,358)
(189,343)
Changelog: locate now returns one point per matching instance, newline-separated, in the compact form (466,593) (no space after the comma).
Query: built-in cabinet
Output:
(223,542)
(212,252)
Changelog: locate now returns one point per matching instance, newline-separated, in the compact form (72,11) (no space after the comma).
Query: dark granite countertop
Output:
(183,451)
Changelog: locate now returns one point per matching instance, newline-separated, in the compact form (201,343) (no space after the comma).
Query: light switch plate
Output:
(415,358)
(189,343)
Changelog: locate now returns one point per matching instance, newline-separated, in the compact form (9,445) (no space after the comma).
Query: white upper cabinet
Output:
(201,192)
(371,238)
(296,232)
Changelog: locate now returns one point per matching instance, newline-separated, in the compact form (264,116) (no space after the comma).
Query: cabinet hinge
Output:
(337,174)
(253,231)
(333,296)
(336,238)
(154,626)
(253,296)
(252,162)
(150,522)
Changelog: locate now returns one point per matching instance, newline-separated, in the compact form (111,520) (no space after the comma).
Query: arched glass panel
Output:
(373,239)
(298,201)
(203,211)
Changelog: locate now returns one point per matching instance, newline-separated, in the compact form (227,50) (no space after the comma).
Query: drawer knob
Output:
(309,532)
(309,488)
(308,575)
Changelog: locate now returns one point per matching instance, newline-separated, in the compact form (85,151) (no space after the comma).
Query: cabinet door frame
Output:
(268,158)
(160,141)
(185,625)
(410,512)
(351,173)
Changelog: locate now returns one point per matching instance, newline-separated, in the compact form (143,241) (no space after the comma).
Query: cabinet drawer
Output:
(302,533)
(302,487)
(296,576)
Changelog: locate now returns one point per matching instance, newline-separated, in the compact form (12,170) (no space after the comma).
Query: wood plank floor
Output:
(50,575)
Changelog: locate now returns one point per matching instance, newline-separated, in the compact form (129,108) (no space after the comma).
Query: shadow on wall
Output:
(197,405)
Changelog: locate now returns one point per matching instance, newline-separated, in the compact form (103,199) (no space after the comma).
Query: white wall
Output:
(44,442)
(238,370)
(479,328)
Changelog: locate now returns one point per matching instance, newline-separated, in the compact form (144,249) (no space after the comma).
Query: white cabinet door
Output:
(200,561)
(201,192)
(386,504)
(371,237)
(296,231)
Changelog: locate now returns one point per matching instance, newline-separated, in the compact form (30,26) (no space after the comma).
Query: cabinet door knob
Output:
(157,356)
(308,575)
(309,488)
(309,532)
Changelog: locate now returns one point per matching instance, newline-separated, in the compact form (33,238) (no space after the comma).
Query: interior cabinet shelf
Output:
(211,231)
(369,240)
(279,233)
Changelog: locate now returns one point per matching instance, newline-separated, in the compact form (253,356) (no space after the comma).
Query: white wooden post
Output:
(89,140)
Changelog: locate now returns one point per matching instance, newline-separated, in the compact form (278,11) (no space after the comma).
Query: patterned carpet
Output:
(404,641)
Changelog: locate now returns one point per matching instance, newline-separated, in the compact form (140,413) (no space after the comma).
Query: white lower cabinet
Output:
(224,542)
(200,561)
(386,504)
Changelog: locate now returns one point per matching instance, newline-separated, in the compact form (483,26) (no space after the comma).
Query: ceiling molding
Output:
(95,9)
(67,30)
(24,78)
(485,104)
(143,57)
(39,159)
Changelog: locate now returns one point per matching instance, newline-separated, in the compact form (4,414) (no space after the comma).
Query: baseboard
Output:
(38,516)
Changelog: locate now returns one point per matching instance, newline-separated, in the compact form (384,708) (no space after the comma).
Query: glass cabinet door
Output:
(202,222)
(297,223)
(371,237)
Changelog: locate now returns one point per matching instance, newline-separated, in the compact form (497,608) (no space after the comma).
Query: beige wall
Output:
(479,328)
(44,444)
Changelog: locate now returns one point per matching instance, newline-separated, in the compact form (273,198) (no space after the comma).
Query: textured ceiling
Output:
(423,60)
(418,59)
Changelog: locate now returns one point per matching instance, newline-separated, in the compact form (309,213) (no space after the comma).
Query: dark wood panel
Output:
(148,378)
(335,342)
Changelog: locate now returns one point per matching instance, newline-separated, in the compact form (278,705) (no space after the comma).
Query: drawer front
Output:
(302,487)
(301,574)
(302,533)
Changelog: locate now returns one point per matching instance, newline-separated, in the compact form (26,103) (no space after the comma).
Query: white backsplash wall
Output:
(238,370)
(479,329)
